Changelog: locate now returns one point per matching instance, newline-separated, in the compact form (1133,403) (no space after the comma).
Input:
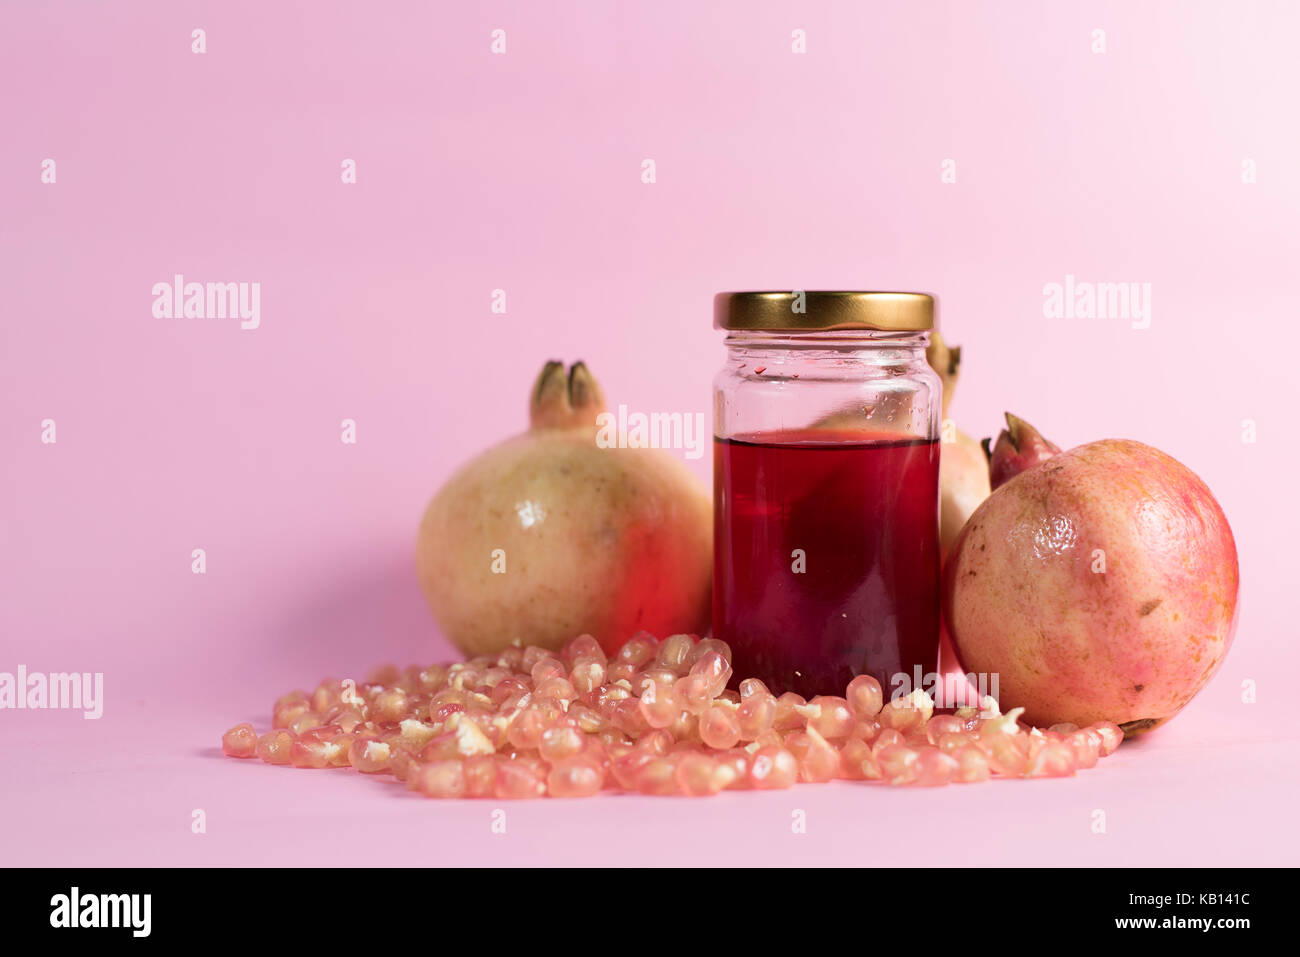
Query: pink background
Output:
(522,172)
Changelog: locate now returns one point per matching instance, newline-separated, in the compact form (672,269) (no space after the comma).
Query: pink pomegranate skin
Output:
(1026,593)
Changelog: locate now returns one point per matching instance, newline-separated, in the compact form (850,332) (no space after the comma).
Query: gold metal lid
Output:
(807,311)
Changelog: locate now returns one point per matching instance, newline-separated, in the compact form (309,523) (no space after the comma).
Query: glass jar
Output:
(826,488)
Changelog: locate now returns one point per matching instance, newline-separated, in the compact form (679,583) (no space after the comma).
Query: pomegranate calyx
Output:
(563,400)
(1019,447)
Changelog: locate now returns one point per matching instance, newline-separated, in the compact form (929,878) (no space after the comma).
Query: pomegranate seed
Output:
(865,729)
(240,742)
(934,768)
(509,688)
(617,671)
(858,761)
(714,669)
(575,777)
(656,742)
(830,716)
(480,775)
(432,678)
(520,778)
(657,718)
(557,689)
(1008,754)
(414,734)
(339,749)
(719,727)
(326,695)
(694,692)
(291,697)
(755,715)
(561,741)
(548,668)
(615,743)
(308,753)
(1055,759)
(1111,736)
(686,729)
(772,768)
(587,675)
(738,760)
(675,651)
(287,711)
(698,774)
(628,717)
(627,768)
(907,713)
(1086,746)
(389,705)
(789,715)
(526,730)
(940,725)
(306,722)
(899,764)
(585,719)
(972,764)
(887,739)
(657,776)
(864,696)
(400,761)
(344,717)
(442,779)
(659,705)
(817,760)
(952,741)
(384,675)
(638,651)
(273,747)
(369,756)
(584,646)
(708,646)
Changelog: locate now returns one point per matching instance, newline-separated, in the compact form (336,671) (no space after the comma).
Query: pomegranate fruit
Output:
(1099,584)
(963,465)
(548,534)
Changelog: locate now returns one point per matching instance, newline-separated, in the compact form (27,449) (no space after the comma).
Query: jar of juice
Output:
(826,488)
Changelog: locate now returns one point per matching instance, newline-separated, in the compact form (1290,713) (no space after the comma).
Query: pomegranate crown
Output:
(1019,447)
(563,400)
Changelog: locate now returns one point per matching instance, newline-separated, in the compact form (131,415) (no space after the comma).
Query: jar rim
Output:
(817,310)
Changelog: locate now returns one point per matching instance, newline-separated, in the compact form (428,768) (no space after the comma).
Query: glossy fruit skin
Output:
(601,541)
(1027,596)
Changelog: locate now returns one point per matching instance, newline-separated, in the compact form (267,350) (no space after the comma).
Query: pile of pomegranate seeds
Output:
(657,719)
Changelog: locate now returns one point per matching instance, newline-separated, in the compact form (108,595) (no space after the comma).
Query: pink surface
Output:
(522,172)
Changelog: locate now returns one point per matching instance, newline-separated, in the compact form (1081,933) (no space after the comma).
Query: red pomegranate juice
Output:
(826,557)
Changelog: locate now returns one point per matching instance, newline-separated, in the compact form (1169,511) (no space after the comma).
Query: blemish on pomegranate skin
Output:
(1138,688)
(1149,606)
